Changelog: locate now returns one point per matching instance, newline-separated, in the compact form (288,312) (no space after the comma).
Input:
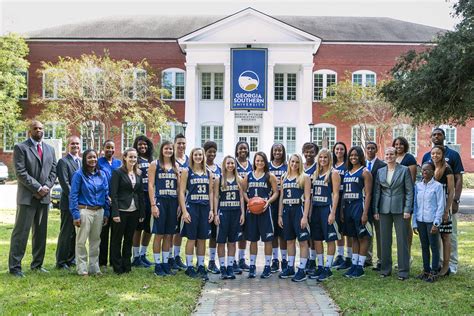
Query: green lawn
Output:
(453,295)
(63,292)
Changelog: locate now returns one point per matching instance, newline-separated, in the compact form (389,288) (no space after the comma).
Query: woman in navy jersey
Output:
(278,167)
(293,216)
(357,193)
(339,158)
(210,149)
(244,167)
(260,182)
(326,185)
(194,198)
(142,236)
(163,186)
(229,214)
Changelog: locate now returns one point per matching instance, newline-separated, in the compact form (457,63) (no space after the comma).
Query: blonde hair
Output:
(319,168)
(300,176)
(224,172)
(191,159)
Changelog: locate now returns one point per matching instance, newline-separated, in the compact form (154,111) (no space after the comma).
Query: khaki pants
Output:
(91,226)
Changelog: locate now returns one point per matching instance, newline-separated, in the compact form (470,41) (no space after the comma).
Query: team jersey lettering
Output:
(292,193)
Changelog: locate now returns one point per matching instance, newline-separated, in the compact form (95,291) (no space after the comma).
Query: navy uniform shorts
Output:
(352,220)
(339,223)
(167,221)
(320,229)
(259,227)
(292,216)
(242,227)
(146,225)
(278,231)
(229,227)
(199,228)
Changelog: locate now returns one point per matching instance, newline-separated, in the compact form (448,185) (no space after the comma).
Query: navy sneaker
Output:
(230,273)
(202,272)
(284,264)
(327,273)
(275,265)
(349,272)
(172,263)
(167,268)
(316,273)
(243,266)
(137,262)
(358,272)
(311,267)
(287,273)
(145,261)
(267,272)
(237,269)
(252,271)
(179,263)
(345,265)
(159,270)
(191,272)
(224,275)
(212,267)
(300,276)
(338,261)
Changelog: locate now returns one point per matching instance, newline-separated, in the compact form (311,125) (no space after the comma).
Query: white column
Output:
(191,107)
(267,128)
(229,117)
(306,106)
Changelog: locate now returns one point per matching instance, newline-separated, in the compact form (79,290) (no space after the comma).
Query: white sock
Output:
(189,260)
(200,260)
(349,252)
(291,261)
(268,260)
(312,254)
(283,254)
(355,258)
(303,262)
(340,251)
(166,255)
(242,254)
(222,261)
(143,250)
(230,261)
(176,250)
(157,256)
(329,260)
(275,253)
(212,253)
(320,260)
(136,251)
(253,259)
(362,260)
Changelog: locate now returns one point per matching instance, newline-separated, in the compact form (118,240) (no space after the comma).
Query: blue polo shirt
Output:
(452,157)
(107,168)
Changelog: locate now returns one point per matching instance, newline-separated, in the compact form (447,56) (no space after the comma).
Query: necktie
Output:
(40,151)
(370,166)
(78,162)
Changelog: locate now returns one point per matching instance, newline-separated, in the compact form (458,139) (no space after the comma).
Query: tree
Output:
(13,67)
(437,85)
(94,90)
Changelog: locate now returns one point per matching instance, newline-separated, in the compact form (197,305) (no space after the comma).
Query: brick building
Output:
(193,53)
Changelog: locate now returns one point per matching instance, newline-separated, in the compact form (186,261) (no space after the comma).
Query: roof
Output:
(328,28)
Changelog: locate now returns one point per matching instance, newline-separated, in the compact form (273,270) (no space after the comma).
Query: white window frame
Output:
(405,127)
(134,84)
(55,127)
(141,130)
(27,76)
(56,83)
(447,128)
(172,95)
(324,73)
(323,127)
(212,133)
(17,138)
(286,136)
(213,86)
(363,140)
(285,86)
(95,74)
(364,74)
(174,128)
(101,137)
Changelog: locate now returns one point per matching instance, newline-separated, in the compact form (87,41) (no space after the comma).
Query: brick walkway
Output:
(257,296)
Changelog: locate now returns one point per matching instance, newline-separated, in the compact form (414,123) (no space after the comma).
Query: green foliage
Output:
(13,63)
(468,181)
(437,85)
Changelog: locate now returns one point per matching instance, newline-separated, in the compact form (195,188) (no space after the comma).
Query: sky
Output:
(22,16)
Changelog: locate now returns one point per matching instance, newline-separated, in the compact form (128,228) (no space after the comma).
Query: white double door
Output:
(251,135)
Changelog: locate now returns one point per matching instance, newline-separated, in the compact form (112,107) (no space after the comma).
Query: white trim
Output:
(55,84)
(122,132)
(101,137)
(285,86)
(135,71)
(362,140)
(325,126)
(173,71)
(445,127)
(212,86)
(379,43)
(15,140)
(323,72)
(212,125)
(364,74)
(404,127)
(98,40)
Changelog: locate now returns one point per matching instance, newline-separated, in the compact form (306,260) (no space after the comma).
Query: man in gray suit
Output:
(393,206)
(65,252)
(35,167)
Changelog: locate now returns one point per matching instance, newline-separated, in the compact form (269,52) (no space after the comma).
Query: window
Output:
(173,81)
(214,133)
(286,136)
(212,86)
(409,133)
(364,78)
(450,132)
(92,135)
(322,79)
(324,133)
(93,84)
(173,130)
(10,139)
(130,130)
(134,84)
(53,82)
(361,134)
(56,130)
(285,86)
(24,96)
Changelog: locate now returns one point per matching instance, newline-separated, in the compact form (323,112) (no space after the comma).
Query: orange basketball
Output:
(256,205)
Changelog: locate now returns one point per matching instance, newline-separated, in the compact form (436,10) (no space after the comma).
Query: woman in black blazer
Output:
(126,192)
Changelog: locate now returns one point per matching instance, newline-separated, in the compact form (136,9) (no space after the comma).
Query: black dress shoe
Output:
(17,274)
(40,270)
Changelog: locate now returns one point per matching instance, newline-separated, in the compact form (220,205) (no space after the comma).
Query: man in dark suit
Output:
(35,167)
(373,164)
(65,252)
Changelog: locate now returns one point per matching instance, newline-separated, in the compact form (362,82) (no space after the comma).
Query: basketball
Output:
(256,205)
